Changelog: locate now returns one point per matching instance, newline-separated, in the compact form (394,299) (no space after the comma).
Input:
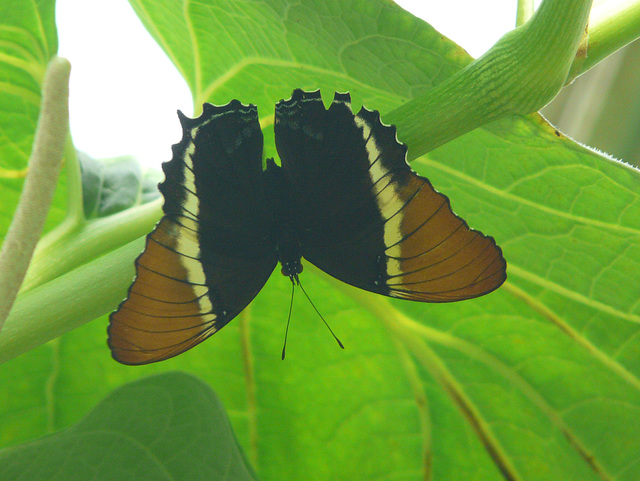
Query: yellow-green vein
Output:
(543,208)
(547,313)
(422,405)
(569,294)
(249,61)
(249,374)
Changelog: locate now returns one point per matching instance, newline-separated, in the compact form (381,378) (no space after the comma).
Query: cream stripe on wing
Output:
(387,199)
(187,241)
(186,234)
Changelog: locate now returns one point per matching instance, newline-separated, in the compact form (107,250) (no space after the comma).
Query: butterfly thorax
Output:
(284,229)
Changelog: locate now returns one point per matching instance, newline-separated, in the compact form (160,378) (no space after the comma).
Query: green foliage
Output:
(537,381)
(110,186)
(133,434)
(28,40)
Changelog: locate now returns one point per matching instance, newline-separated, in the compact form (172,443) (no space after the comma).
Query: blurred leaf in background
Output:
(110,186)
(133,434)
(602,107)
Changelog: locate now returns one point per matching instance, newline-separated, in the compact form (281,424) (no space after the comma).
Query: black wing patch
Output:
(366,218)
(345,199)
(211,253)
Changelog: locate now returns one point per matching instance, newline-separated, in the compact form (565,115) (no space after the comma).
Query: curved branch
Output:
(520,74)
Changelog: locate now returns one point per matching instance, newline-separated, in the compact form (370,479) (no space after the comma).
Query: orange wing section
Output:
(168,309)
(434,256)
(210,254)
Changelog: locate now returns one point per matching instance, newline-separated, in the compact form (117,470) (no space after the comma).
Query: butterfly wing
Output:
(212,252)
(366,218)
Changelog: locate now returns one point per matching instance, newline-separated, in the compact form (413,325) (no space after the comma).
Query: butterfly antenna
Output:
(286,332)
(323,320)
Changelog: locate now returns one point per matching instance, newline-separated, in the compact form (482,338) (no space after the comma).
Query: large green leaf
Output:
(166,427)
(537,381)
(28,40)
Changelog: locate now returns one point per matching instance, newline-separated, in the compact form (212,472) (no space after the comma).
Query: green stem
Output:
(68,302)
(90,240)
(40,184)
(520,74)
(612,25)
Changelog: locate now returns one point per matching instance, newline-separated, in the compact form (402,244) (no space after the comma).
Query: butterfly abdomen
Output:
(285,230)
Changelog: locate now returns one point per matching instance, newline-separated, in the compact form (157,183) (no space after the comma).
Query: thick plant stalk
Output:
(520,74)
(39,186)
(44,313)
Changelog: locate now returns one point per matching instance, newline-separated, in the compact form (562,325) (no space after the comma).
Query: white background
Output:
(125,91)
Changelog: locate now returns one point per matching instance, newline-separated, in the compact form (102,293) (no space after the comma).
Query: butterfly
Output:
(344,198)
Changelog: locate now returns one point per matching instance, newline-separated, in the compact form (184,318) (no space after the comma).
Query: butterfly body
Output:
(344,199)
(285,235)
